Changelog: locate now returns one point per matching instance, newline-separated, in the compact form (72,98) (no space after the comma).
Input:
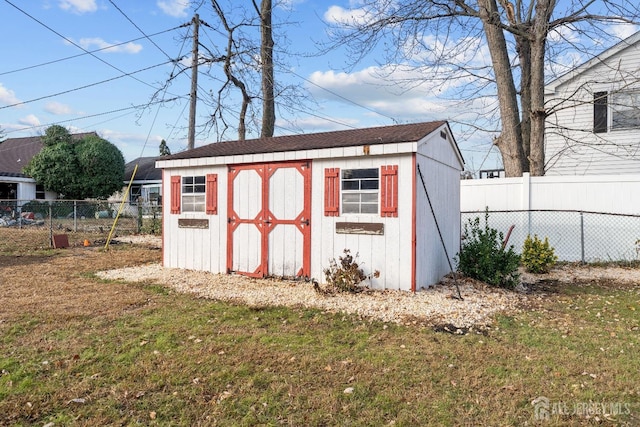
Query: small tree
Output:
(90,167)
(164,149)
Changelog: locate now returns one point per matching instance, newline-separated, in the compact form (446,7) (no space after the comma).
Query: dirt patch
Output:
(60,283)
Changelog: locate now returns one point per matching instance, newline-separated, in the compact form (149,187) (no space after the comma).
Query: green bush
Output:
(537,255)
(483,255)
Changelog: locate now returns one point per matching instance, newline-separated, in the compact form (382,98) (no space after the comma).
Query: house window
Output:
(40,193)
(625,110)
(193,193)
(360,191)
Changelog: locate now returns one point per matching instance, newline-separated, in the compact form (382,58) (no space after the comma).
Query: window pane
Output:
(369,184)
(369,197)
(364,173)
(350,198)
(199,180)
(350,185)
(369,208)
(625,110)
(187,180)
(187,189)
(350,208)
(199,188)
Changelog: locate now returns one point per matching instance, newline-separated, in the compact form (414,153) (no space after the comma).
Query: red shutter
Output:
(389,191)
(332,192)
(175,194)
(212,194)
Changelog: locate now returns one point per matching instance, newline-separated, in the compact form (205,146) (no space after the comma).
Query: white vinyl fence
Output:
(586,218)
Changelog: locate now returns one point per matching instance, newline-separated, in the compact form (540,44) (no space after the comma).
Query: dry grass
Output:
(75,350)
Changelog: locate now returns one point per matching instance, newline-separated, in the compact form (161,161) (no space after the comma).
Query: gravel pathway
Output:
(435,306)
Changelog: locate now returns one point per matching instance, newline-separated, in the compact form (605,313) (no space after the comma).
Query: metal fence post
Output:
(75,216)
(582,237)
(50,226)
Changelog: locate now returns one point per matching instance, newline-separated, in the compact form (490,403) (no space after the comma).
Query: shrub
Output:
(537,255)
(344,276)
(483,255)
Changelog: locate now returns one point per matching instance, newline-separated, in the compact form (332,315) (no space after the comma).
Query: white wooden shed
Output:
(284,206)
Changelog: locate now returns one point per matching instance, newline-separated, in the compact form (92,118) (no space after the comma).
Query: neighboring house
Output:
(597,121)
(147,182)
(15,154)
(285,206)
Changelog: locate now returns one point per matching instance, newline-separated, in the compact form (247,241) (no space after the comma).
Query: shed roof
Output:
(16,153)
(344,138)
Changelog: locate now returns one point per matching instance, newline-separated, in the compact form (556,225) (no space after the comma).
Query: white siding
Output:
(441,171)
(571,146)
(195,249)
(389,253)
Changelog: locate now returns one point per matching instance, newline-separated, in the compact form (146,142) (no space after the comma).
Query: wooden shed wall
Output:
(195,248)
(441,171)
(389,253)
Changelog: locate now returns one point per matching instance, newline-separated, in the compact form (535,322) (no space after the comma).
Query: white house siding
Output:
(389,253)
(440,168)
(194,248)
(572,148)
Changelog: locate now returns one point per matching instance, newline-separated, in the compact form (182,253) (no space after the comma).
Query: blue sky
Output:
(47,77)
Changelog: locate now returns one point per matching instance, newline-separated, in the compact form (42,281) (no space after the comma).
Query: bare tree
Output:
(517,36)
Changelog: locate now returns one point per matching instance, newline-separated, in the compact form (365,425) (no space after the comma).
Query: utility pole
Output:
(194,84)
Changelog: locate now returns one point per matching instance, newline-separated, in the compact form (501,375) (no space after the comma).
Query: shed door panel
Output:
(269,219)
(247,222)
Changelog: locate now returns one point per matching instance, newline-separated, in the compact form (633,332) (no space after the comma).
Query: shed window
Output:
(193,193)
(360,191)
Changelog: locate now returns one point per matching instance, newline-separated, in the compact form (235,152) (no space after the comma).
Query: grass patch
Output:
(164,358)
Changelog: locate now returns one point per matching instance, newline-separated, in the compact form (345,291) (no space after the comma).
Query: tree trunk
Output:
(523,46)
(510,141)
(266,57)
(540,29)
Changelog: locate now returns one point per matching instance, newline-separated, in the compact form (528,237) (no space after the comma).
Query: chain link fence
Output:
(575,235)
(35,222)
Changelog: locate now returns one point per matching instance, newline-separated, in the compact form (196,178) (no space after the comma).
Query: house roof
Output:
(146,169)
(344,138)
(602,57)
(16,153)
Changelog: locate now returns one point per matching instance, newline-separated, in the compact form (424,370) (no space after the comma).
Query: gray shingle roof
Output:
(146,169)
(16,153)
(311,141)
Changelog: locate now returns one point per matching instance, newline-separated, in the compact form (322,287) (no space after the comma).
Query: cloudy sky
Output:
(101,65)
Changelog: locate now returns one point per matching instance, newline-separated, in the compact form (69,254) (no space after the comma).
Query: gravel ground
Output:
(435,306)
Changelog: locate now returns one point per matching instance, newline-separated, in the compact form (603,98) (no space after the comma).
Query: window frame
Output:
(192,199)
(366,191)
(616,108)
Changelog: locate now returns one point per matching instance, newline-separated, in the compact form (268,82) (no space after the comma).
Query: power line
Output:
(77,45)
(95,115)
(82,87)
(82,54)
(142,32)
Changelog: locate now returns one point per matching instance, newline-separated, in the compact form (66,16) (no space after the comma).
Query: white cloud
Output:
(175,8)
(341,16)
(7,96)
(97,43)
(57,108)
(79,6)
(622,31)
(29,120)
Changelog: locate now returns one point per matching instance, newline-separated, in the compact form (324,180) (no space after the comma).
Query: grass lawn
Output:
(75,350)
